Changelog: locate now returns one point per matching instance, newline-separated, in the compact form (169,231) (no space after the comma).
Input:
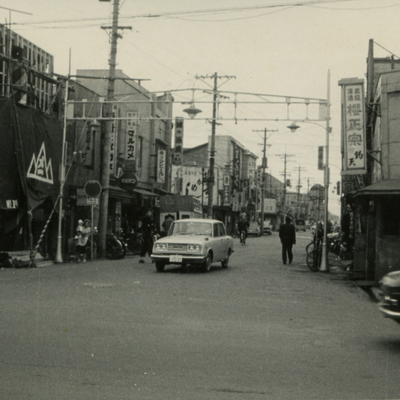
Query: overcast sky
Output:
(282,49)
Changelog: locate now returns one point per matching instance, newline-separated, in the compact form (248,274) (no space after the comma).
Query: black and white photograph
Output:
(200,200)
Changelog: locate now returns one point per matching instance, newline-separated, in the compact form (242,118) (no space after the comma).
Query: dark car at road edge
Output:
(390,292)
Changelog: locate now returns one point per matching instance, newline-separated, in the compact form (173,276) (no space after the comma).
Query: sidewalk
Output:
(337,268)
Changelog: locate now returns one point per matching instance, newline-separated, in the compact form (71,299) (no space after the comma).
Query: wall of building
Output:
(390,124)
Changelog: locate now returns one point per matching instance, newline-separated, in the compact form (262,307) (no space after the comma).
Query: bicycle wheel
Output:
(309,247)
(312,263)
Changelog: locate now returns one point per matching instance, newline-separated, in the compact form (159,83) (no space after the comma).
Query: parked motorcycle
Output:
(115,248)
(132,241)
(345,253)
(333,240)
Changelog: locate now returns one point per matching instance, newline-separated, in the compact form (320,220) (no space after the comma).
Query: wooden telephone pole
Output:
(264,166)
(105,166)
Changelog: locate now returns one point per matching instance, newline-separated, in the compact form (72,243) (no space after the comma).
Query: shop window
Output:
(391,217)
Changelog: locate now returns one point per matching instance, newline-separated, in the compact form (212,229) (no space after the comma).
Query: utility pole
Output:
(211,180)
(263,165)
(108,126)
(285,156)
(298,194)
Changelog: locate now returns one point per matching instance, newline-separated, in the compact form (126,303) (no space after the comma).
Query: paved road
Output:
(257,330)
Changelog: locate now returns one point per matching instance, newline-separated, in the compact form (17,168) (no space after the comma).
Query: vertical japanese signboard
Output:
(87,153)
(353,127)
(227,197)
(113,142)
(178,149)
(130,141)
(161,166)
(236,166)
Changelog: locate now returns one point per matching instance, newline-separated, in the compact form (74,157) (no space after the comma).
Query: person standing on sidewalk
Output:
(287,234)
(148,228)
(83,233)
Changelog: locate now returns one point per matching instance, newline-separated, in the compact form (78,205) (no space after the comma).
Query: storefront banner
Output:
(113,142)
(353,127)
(270,206)
(87,153)
(130,141)
(236,167)
(33,159)
(161,166)
(178,149)
(130,149)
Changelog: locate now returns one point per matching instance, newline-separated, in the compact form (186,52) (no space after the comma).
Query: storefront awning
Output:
(389,187)
(144,192)
(118,193)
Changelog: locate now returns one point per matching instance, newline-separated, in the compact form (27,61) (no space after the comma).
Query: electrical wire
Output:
(178,13)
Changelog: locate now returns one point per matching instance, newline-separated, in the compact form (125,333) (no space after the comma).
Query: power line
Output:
(193,12)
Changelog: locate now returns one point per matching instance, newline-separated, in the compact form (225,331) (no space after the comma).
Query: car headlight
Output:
(161,246)
(194,247)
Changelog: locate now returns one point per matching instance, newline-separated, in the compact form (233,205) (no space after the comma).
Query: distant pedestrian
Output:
(287,234)
(167,224)
(148,229)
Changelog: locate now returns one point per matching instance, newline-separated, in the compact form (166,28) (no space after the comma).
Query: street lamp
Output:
(192,111)
(293,127)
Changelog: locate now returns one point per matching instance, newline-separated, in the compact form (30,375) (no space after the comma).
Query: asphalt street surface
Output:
(258,330)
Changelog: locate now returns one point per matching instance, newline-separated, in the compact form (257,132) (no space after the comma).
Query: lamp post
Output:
(293,127)
(192,111)
(59,257)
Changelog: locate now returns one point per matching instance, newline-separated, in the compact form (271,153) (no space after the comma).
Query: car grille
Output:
(177,246)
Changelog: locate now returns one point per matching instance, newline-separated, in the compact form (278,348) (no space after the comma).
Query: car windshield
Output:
(191,228)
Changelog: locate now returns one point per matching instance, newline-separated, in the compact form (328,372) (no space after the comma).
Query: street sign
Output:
(317,192)
(92,189)
(93,201)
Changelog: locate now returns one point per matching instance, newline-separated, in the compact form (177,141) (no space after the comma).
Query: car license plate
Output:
(175,258)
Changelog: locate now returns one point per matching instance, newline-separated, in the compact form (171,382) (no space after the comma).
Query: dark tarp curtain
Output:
(10,183)
(33,154)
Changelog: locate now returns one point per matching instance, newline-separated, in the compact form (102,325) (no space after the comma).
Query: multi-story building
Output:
(371,167)
(234,174)
(26,72)
(139,149)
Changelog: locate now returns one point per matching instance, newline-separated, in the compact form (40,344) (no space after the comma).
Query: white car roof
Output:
(198,220)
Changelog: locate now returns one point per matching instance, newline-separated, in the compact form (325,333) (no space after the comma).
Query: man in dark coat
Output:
(148,229)
(287,234)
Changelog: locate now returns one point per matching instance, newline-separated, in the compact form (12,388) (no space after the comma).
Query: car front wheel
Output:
(207,263)
(224,263)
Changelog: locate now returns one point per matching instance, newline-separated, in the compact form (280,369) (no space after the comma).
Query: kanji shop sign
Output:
(113,141)
(130,141)
(161,159)
(353,127)
(178,149)
(236,166)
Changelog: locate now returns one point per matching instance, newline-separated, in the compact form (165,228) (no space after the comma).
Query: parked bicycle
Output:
(314,254)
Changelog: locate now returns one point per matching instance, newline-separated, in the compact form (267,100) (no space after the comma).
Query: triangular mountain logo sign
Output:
(40,168)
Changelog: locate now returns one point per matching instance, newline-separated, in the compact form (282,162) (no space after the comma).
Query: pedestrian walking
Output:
(287,234)
(148,229)
(169,219)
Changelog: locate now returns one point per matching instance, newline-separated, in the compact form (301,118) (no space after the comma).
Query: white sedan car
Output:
(193,242)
